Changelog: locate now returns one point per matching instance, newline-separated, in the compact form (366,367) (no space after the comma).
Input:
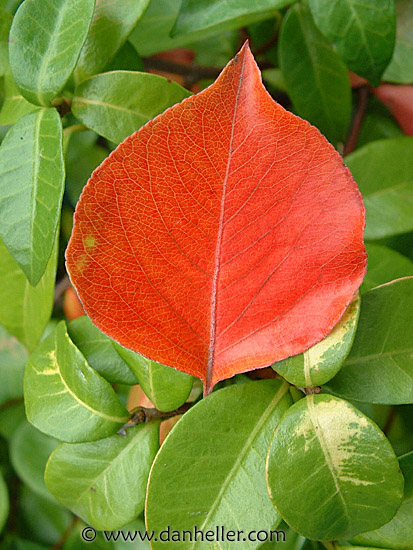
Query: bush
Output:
(238,380)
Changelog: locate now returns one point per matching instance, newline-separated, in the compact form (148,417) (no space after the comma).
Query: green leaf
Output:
(75,541)
(16,543)
(384,265)
(316,78)
(321,362)
(65,397)
(29,452)
(384,172)
(398,533)
(379,368)
(4,502)
(13,357)
(210,469)
(10,418)
(42,519)
(220,15)
(331,472)
(118,103)
(24,309)
(112,22)
(400,69)
(378,123)
(104,482)
(10,5)
(99,351)
(5,22)
(127,59)
(136,525)
(166,387)
(362,31)
(83,156)
(45,43)
(14,106)
(31,189)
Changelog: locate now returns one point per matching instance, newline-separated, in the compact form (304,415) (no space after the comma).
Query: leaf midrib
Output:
(263,418)
(217,261)
(326,453)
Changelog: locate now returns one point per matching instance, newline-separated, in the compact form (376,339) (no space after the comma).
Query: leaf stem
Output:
(11,403)
(65,535)
(192,73)
(353,136)
(139,415)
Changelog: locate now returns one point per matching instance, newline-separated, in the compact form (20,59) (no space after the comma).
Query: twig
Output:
(353,136)
(60,288)
(311,391)
(65,535)
(139,415)
(11,403)
(192,73)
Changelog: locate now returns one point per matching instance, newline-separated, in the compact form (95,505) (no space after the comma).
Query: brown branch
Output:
(139,415)
(60,288)
(192,73)
(65,535)
(353,136)
(11,403)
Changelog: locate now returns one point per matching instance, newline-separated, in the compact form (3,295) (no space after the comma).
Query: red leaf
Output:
(224,235)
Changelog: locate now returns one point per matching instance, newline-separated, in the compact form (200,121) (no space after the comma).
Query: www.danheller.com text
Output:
(219,534)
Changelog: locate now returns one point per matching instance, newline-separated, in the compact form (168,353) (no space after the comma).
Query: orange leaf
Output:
(224,235)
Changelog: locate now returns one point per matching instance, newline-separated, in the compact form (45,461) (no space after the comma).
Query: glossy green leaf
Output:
(321,362)
(112,22)
(16,543)
(152,33)
(126,59)
(379,368)
(65,397)
(29,452)
(4,502)
(219,15)
(398,533)
(99,351)
(24,309)
(166,387)
(31,189)
(384,265)
(10,418)
(137,544)
(316,78)
(118,103)
(45,43)
(13,357)
(42,519)
(5,22)
(210,469)
(82,157)
(378,123)
(14,106)
(384,173)
(104,482)
(331,472)
(400,69)
(75,541)
(10,5)
(362,31)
